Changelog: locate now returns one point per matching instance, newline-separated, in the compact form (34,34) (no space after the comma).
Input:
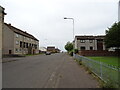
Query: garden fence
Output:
(106,72)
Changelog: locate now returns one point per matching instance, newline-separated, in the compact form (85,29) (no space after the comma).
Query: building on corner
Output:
(51,49)
(16,41)
(89,42)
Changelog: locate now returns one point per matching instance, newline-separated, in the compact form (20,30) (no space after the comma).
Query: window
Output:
(20,43)
(24,37)
(20,36)
(82,41)
(30,44)
(90,41)
(91,48)
(17,35)
(24,44)
(82,48)
(35,46)
(16,50)
(17,42)
(20,50)
(27,38)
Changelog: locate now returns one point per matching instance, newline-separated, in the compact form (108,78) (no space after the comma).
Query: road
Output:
(46,71)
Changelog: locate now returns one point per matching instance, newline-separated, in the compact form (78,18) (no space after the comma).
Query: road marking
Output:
(52,76)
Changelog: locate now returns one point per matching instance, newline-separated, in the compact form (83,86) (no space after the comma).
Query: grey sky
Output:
(44,18)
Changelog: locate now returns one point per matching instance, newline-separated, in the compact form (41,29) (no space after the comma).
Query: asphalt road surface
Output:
(46,71)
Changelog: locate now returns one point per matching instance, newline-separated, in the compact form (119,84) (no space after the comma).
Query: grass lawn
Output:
(107,60)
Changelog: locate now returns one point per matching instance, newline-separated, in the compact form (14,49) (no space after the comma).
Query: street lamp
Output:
(73,24)
(73,30)
(119,11)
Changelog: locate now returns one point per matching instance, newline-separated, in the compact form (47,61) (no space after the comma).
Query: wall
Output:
(87,44)
(1,31)
(1,21)
(22,50)
(8,38)
(98,53)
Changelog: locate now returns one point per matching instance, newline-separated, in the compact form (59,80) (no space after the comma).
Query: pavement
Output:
(45,71)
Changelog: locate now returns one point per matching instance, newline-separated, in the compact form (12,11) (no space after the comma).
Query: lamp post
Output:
(73,24)
(73,31)
(119,11)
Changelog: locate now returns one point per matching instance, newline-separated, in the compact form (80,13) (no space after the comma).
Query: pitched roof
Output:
(18,31)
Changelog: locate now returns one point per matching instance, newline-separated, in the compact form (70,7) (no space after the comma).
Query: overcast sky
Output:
(44,18)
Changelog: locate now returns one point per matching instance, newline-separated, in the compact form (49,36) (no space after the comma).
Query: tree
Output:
(112,38)
(69,46)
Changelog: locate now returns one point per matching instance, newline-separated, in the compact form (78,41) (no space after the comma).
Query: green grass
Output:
(107,60)
(108,74)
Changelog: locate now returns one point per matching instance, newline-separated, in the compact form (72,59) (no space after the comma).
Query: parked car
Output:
(48,53)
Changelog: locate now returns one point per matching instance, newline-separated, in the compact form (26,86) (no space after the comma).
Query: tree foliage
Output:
(69,46)
(112,38)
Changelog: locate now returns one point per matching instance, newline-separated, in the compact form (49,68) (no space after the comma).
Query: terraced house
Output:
(89,42)
(16,41)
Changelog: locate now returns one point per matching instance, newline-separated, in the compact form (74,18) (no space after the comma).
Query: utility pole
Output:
(73,24)
(119,11)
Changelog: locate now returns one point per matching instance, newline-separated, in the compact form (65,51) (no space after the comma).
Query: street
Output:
(46,71)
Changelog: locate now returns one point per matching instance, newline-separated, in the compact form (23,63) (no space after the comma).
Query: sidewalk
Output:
(10,59)
(73,75)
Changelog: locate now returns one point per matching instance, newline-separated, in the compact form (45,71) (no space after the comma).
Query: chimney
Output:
(9,24)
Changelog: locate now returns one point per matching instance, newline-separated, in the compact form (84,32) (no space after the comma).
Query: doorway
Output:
(10,51)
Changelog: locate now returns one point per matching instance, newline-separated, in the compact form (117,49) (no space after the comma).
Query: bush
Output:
(75,51)
(71,53)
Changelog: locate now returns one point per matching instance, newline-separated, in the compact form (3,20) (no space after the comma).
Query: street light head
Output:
(65,18)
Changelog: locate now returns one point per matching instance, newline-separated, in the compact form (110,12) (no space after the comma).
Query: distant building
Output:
(51,49)
(57,50)
(89,43)
(16,41)
(43,49)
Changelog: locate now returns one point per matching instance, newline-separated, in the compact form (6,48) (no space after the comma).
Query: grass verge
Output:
(108,60)
(102,84)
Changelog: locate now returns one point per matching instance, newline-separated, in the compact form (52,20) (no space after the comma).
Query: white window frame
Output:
(16,50)
(82,41)
(91,41)
(17,42)
(17,35)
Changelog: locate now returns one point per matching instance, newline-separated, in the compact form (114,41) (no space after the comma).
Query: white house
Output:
(43,49)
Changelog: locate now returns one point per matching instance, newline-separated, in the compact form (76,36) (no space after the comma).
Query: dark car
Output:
(48,53)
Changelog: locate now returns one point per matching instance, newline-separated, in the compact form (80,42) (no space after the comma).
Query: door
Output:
(100,44)
(10,51)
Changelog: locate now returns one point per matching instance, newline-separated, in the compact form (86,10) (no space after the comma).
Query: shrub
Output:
(75,51)
(71,53)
